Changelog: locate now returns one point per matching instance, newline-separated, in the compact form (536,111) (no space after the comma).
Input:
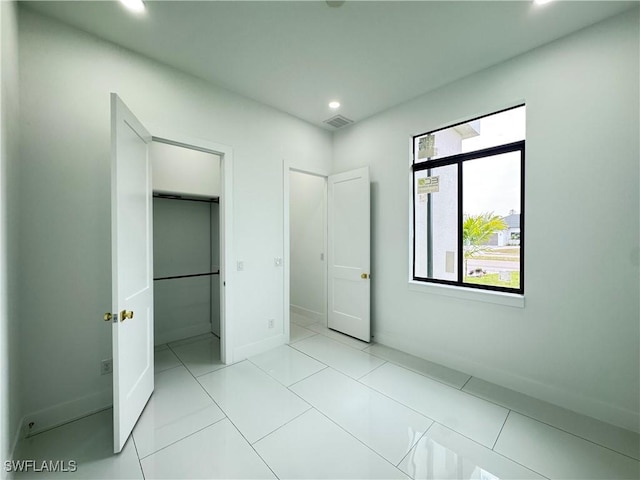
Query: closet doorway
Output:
(186,242)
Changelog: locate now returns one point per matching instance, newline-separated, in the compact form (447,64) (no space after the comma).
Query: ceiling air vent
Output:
(338,121)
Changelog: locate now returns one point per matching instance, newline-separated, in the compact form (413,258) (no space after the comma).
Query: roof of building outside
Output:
(513,220)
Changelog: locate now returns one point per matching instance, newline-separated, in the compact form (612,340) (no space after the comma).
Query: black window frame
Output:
(459,160)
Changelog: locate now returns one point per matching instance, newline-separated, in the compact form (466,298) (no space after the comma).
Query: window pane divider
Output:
(462,157)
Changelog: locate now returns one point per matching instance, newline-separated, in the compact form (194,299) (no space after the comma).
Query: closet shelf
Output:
(217,272)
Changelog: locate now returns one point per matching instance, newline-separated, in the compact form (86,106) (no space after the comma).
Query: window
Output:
(468,203)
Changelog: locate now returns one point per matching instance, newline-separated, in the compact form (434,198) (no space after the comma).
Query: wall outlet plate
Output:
(271,323)
(106,366)
(27,427)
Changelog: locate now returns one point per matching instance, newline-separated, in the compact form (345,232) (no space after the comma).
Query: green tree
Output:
(476,232)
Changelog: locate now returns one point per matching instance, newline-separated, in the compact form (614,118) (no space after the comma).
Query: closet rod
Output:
(167,196)
(188,276)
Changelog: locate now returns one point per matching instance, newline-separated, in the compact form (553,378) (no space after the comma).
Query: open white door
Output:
(132,270)
(349,234)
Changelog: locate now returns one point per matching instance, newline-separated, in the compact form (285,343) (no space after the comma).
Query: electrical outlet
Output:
(271,323)
(106,366)
(240,266)
(27,428)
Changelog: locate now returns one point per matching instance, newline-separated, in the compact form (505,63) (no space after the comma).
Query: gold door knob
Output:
(107,317)
(364,276)
(125,314)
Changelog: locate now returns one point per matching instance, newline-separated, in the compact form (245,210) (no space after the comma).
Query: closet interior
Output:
(186,242)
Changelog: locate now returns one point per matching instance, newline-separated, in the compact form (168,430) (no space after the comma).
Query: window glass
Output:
(468,204)
(491,220)
(436,205)
(497,129)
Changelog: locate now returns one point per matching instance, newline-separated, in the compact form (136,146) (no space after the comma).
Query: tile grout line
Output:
(357,439)
(516,462)
(306,354)
(135,446)
(338,341)
(313,334)
(351,434)
(465,384)
(501,428)
(515,410)
(574,434)
(422,374)
(478,444)
(170,368)
(393,399)
(341,427)
(249,443)
(311,407)
(414,445)
(226,416)
(384,362)
(183,438)
(305,378)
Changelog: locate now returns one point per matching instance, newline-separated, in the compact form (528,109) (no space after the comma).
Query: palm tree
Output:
(476,232)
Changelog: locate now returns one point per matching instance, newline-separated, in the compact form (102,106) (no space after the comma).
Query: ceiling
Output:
(297,56)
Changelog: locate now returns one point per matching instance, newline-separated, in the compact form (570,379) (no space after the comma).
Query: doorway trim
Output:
(225,152)
(286,171)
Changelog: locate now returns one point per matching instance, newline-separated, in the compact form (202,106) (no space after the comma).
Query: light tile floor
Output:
(329,406)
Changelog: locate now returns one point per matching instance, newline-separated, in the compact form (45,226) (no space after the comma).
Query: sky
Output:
(491,184)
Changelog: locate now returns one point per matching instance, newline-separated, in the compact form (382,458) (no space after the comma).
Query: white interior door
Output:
(132,270)
(349,232)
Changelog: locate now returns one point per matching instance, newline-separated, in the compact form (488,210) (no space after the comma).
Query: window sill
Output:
(499,298)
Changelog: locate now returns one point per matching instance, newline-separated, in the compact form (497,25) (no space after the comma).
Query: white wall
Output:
(307,220)
(66,77)
(10,411)
(576,342)
(186,171)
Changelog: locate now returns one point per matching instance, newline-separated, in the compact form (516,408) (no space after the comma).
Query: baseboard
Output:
(305,312)
(256,348)
(587,406)
(160,338)
(66,412)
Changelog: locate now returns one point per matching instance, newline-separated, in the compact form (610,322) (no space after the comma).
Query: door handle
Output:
(107,317)
(364,276)
(125,314)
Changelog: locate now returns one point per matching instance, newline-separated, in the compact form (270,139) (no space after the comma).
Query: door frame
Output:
(225,152)
(286,171)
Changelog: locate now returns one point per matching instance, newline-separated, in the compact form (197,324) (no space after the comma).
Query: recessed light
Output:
(542,2)
(134,5)
(333,105)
